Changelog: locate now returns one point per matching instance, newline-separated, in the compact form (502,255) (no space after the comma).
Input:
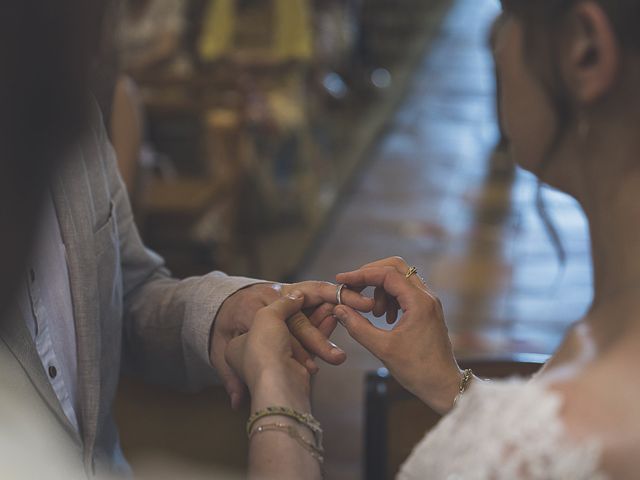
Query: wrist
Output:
(280,386)
(442,396)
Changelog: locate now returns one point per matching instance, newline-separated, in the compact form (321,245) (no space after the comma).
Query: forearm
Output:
(275,454)
(168,324)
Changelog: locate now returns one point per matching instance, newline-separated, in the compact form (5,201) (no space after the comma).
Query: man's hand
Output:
(310,328)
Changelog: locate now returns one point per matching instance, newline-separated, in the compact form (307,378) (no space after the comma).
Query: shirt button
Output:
(53,371)
(32,275)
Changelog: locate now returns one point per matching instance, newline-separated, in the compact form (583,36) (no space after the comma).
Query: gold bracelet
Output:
(467,376)
(316,451)
(305,419)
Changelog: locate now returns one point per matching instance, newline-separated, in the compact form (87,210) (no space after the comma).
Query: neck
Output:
(611,202)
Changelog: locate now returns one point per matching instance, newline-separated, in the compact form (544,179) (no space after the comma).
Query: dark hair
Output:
(45,49)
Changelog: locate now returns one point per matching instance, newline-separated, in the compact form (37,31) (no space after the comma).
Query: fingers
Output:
(303,357)
(388,278)
(314,341)
(400,265)
(324,319)
(328,325)
(361,330)
(285,306)
(237,390)
(397,262)
(288,308)
(392,310)
(317,293)
(380,298)
(319,314)
(385,304)
(233,354)
(227,367)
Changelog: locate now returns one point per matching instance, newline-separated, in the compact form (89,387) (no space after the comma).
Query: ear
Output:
(592,55)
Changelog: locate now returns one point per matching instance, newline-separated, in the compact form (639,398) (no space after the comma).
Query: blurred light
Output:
(334,84)
(383,372)
(381,78)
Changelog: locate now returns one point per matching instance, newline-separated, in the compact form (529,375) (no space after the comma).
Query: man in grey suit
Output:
(94,301)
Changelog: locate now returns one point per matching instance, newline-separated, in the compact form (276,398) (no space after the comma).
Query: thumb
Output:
(234,354)
(232,372)
(285,306)
(235,387)
(361,329)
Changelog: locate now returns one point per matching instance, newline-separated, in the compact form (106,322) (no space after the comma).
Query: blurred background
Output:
(295,139)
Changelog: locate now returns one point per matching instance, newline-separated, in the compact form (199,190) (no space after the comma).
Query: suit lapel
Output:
(16,336)
(73,202)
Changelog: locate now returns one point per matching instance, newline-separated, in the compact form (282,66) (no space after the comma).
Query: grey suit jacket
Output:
(128,312)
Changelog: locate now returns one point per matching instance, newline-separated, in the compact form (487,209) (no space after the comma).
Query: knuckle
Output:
(298,322)
(398,262)
(432,305)
(325,311)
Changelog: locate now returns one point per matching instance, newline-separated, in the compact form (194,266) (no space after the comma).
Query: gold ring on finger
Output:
(411,271)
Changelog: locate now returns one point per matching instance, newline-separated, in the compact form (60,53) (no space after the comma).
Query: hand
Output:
(266,351)
(310,327)
(417,351)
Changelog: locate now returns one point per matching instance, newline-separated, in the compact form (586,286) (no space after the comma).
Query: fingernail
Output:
(340,315)
(335,347)
(295,295)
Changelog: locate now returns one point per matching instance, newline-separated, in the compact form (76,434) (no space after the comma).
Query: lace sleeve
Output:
(503,430)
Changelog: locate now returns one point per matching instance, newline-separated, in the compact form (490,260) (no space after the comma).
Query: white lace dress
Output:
(504,430)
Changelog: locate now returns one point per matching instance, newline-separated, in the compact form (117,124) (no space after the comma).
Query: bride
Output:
(569,73)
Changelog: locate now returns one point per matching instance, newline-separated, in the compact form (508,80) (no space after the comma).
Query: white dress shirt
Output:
(46,305)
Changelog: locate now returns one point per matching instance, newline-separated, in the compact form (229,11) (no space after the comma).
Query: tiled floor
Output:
(435,194)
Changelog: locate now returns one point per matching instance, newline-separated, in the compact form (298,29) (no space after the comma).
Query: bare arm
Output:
(274,455)
(263,358)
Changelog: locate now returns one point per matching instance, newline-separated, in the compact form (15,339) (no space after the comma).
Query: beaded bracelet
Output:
(305,419)
(467,376)
(316,452)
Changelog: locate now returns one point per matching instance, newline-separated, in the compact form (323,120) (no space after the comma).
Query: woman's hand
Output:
(264,359)
(310,328)
(417,351)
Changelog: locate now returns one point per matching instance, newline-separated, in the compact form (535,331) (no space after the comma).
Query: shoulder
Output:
(503,430)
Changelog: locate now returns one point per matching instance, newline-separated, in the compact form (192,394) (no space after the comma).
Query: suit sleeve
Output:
(166,322)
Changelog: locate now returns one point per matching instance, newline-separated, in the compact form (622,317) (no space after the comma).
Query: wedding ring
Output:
(412,271)
(339,293)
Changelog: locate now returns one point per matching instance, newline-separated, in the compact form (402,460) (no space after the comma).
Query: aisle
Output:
(434,194)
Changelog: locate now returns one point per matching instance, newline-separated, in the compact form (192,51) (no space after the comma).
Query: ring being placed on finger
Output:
(339,293)
(411,271)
